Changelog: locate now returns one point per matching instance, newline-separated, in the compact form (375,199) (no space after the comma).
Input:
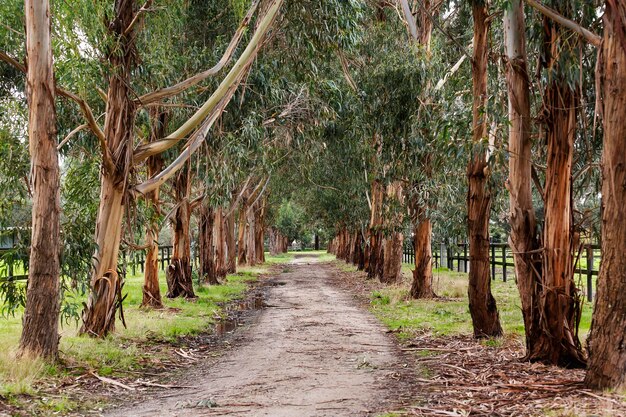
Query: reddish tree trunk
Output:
(208,267)
(607,352)
(392,244)
(374,256)
(106,285)
(151,290)
(422,285)
(231,246)
(482,305)
(179,281)
(41,314)
(243,232)
(559,305)
(259,236)
(221,251)
(523,239)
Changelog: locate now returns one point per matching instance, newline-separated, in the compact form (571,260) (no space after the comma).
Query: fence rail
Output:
(135,261)
(455,257)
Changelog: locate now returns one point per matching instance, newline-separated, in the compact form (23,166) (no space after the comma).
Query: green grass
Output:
(450,315)
(124,351)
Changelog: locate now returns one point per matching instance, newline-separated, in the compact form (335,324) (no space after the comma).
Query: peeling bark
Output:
(607,351)
(179,280)
(151,290)
(106,284)
(393,242)
(523,240)
(482,305)
(208,267)
(41,314)
(422,285)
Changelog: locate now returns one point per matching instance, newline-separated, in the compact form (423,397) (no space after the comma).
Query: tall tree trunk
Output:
(259,236)
(607,352)
(106,284)
(422,285)
(374,255)
(41,315)
(559,303)
(251,257)
(231,246)
(179,280)
(151,290)
(208,271)
(523,240)
(242,232)
(392,258)
(316,245)
(482,305)
(221,251)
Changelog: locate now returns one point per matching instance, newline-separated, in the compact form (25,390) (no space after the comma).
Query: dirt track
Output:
(311,352)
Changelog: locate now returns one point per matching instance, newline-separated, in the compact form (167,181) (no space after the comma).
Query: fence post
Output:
(493,261)
(589,273)
(464,257)
(450,259)
(503,263)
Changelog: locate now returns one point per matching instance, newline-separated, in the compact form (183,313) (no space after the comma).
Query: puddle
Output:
(236,314)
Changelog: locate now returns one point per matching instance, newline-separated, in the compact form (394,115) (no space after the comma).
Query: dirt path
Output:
(312,352)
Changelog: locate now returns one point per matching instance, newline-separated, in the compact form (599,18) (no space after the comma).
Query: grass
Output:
(450,315)
(124,351)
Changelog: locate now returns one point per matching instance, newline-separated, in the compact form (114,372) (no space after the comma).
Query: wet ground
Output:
(310,350)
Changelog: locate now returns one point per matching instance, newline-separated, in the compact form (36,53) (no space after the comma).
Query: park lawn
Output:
(124,351)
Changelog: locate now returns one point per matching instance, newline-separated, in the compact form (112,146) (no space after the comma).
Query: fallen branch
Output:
(112,382)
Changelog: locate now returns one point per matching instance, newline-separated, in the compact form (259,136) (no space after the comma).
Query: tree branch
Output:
(140,12)
(84,107)
(589,36)
(70,135)
(224,90)
(190,82)
(408,16)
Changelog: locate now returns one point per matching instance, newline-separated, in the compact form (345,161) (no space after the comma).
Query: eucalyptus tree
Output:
(116,41)
(607,357)
(41,314)
(544,266)
(483,308)
(117,152)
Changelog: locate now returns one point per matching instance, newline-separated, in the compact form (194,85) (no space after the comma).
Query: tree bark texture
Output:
(242,231)
(523,239)
(482,305)
(221,248)
(208,267)
(607,350)
(151,289)
(231,245)
(422,285)
(374,255)
(179,280)
(393,242)
(259,235)
(559,302)
(105,286)
(41,315)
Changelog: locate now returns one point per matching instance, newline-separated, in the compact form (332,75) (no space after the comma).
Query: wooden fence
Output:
(456,257)
(135,262)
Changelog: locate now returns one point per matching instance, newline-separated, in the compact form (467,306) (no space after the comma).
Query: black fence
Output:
(135,262)
(455,257)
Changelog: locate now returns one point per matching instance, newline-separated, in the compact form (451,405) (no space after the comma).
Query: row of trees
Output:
(147,141)
(549,145)
(370,123)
